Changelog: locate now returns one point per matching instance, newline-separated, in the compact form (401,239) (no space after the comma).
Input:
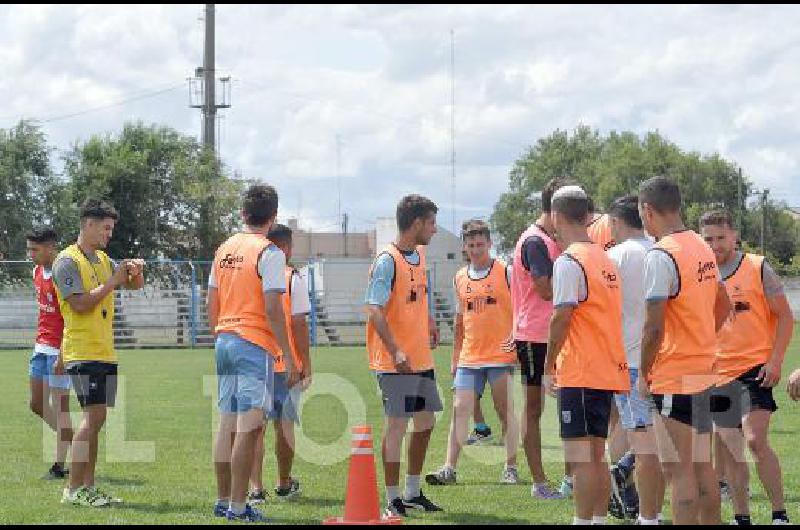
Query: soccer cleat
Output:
(446,476)
(100,493)
(545,492)
(396,508)
(56,472)
(250,515)
(257,497)
(616,508)
(220,510)
(84,497)
(510,476)
(480,437)
(619,482)
(293,490)
(421,502)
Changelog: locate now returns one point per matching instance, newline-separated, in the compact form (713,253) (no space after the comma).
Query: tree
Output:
(26,182)
(614,165)
(173,198)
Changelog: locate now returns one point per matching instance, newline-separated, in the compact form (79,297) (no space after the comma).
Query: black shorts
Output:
(732,402)
(693,410)
(584,412)
(95,383)
(407,394)
(531,356)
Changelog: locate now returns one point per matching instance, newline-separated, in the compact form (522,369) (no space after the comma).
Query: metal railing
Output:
(170,312)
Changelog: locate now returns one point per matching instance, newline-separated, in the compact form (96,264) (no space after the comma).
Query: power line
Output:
(117,103)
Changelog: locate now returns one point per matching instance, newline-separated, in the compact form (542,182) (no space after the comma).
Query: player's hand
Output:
(58,367)
(769,375)
(549,385)
(642,387)
(794,385)
(401,363)
(120,276)
(453,369)
(293,377)
(434,336)
(306,379)
(135,267)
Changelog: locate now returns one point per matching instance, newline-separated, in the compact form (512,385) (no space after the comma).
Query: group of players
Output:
(683,332)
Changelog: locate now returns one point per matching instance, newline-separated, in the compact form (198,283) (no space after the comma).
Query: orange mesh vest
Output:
(407,315)
(593,355)
(241,297)
(685,363)
(488,317)
(600,232)
(280,367)
(746,340)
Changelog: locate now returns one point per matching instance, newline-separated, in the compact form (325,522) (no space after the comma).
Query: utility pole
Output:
(345,220)
(764,196)
(453,125)
(339,177)
(203,89)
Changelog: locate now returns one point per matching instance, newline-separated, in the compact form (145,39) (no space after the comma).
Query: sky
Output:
(720,79)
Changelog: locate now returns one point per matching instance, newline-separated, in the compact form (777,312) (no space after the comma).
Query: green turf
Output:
(165,404)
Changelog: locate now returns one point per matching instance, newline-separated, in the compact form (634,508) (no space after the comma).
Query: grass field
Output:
(170,479)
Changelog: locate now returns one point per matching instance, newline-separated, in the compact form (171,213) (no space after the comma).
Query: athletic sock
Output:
(599,520)
(412,487)
(581,522)
(237,508)
(392,493)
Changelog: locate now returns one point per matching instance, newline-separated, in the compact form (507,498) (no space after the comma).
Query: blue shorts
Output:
(285,402)
(244,375)
(475,379)
(635,413)
(42,369)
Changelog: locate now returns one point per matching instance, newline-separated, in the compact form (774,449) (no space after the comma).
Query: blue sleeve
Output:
(380,281)
(536,258)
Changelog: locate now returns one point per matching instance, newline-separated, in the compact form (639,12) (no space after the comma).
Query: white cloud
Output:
(711,78)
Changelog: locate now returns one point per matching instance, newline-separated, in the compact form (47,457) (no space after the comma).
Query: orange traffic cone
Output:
(361,505)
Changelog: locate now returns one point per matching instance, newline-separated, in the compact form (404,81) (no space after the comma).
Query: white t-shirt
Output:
(629,257)
(569,282)
(301,303)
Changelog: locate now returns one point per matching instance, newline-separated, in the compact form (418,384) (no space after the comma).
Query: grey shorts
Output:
(404,395)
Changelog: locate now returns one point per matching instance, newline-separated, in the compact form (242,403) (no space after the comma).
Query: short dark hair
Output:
(280,234)
(626,209)
(98,209)
(475,227)
(259,204)
(42,234)
(551,188)
(574,207)
(662,193)
(413,207)
(717,218)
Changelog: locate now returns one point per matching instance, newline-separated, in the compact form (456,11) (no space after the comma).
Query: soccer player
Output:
(600,231)
(49,390)
(752,347)
(246,312)
(400,334)
(483,324)
(85,281)
(635,411)
(532,295)
(686,305)
(286,401)
(585,352)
